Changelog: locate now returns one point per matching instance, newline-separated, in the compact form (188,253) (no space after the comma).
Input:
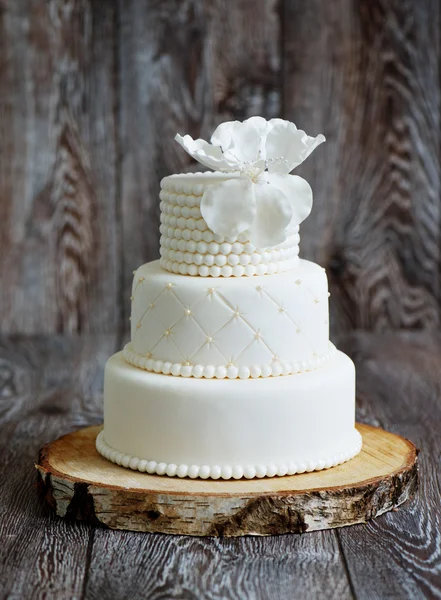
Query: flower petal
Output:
(205,153)
(222,135)
(240,142)
(263,127)
(277,121)
(229,207)
(261,124)
(297,190)
(273,215)
(287,146)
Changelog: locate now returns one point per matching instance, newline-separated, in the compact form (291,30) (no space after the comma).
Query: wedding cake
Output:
(230,372)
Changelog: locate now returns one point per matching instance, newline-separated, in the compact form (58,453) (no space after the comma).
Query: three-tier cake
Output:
(230,372)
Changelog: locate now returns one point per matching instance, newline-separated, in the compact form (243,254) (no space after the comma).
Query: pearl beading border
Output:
(193,227)
(187,223)
(189,247)
(193,183)
(185,240)
(183,217)
(227,270)
(221,372)
(180,253)
(226,472)
(173,246)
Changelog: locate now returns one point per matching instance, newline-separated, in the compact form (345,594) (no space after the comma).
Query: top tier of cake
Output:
(243,218)
(189,247)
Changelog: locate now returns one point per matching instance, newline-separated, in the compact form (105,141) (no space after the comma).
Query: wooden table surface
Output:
(52,385)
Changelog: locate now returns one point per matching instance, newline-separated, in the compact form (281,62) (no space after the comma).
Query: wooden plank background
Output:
(92,93)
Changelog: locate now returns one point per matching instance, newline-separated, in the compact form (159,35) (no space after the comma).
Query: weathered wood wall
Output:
(92,93)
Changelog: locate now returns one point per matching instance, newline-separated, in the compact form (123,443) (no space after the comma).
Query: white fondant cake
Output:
(229,372)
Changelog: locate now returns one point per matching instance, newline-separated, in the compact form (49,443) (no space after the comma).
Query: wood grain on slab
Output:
(185,66)
(366,74)
(79,483)
(58,243)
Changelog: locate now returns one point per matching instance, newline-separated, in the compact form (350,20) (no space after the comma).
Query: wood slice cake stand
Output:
(79,483)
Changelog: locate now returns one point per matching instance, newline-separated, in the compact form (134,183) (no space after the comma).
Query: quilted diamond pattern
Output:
(252,321)
(236,328)
(211,312)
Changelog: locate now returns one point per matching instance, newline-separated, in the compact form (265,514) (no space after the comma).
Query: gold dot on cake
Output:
(141,279)
(211,290)
(230,364)
(148,355)
(316,300)
(138,325)
(298,281)
(259,288)
(187,312)
(167,332)
(257,335)
(151,305)
(169,286)
(281,309)
(209,339)
(276,358)
(187,363)
(298,330)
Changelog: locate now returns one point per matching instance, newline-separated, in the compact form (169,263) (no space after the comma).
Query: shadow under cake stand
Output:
(80,484)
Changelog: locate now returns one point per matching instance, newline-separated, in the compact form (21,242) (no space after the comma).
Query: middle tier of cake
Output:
(229,328)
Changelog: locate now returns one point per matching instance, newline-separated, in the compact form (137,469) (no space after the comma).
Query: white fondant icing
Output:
(229,428)
(258,327)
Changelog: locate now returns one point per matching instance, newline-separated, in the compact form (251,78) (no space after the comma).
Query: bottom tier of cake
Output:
(229,428)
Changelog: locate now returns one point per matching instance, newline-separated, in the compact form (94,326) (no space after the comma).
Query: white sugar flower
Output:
(261,197)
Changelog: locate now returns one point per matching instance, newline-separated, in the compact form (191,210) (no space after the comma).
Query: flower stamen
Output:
(252,172)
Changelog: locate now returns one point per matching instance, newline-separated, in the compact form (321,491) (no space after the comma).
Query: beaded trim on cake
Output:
(225,372)
(189,247)
(226,472)
(227,270)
